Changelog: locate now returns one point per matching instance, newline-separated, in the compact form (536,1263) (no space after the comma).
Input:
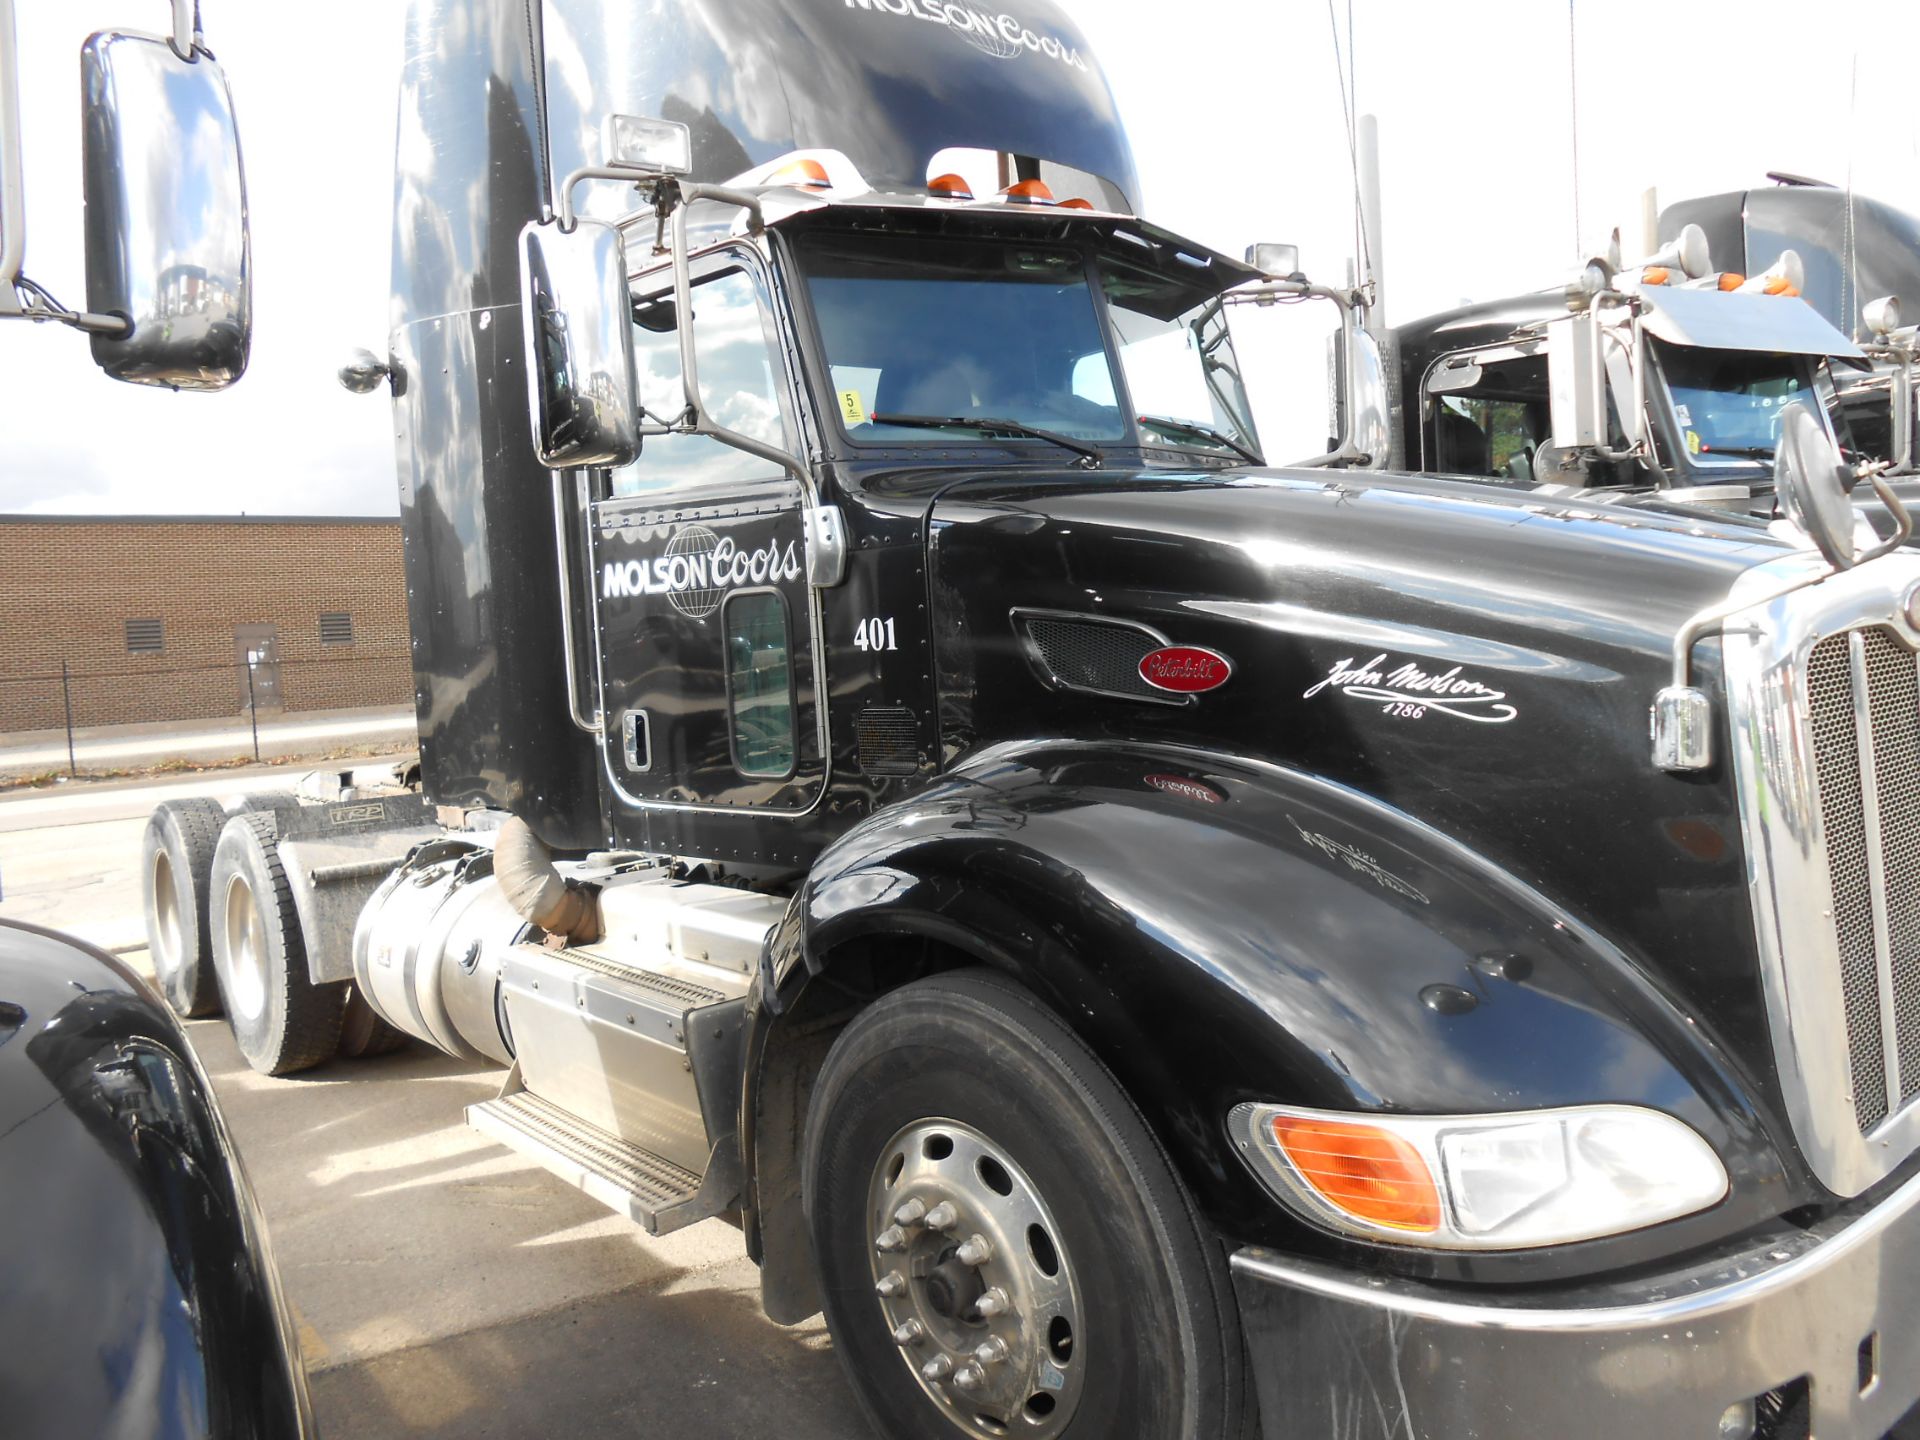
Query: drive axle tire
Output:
(1003,1247)
(176,866)
(281,1020)
(363,1034)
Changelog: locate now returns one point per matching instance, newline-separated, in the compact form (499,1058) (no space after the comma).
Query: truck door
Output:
(707,626)
(256,648)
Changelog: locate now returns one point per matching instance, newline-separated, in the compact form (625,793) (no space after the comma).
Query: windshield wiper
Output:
(1743,452)
(993,425)
(1203,432)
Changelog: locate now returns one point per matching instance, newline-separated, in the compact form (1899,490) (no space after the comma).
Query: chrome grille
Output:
(1836,757)
(1823,699)
(1893,683)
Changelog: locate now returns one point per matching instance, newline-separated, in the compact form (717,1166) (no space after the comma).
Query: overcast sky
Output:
(1234,111)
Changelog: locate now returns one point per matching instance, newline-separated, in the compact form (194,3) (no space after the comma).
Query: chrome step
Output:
(669,990)
(653,1192)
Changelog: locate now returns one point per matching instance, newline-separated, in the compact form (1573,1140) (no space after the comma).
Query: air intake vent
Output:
(889,740)
(336,628)
(145,637)
(1099,657)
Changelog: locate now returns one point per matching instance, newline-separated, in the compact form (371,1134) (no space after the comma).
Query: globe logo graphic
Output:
(988,40)
(696,602)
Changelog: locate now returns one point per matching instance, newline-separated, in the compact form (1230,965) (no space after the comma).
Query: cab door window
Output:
(1498,427)
(760,705)
(739,380)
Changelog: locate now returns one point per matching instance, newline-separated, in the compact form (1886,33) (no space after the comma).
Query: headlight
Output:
(1482,1182)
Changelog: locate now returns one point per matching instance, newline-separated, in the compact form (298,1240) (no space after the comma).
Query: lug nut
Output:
(911,1213)
(993,1303)
(937,1369)
(910,1332)
(974,1252)
(969,1377)
(942,1216)
(891,1238)
(891,1285)
(991,1351)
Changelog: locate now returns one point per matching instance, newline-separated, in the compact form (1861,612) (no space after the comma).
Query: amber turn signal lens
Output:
(1365,1171)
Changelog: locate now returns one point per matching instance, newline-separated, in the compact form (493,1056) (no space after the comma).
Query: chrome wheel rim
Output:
(246,951)
(168,943)
(975,1283)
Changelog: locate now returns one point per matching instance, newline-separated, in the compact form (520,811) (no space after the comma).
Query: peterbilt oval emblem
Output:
(1185,669)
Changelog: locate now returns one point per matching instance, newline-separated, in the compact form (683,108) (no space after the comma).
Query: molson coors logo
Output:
(992,32)
(698,569)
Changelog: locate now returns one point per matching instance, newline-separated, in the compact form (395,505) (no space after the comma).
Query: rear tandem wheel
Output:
(281,1020)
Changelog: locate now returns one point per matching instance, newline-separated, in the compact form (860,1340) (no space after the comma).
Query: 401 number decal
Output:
(875,634)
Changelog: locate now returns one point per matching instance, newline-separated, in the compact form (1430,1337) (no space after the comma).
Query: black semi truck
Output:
(1153,945)
(1673,374)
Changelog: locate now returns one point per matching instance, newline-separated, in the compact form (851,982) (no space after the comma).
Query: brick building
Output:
(170,618)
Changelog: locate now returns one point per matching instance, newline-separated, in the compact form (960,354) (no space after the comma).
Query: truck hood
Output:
(1480,658)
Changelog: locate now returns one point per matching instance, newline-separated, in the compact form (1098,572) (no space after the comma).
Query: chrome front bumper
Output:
(1341,1356)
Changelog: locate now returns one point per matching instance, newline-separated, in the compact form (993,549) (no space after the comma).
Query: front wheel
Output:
(1004,1249)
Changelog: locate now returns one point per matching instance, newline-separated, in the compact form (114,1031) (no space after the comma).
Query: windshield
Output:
(1732,402)
(938,329)
(944,329)
(1181,370)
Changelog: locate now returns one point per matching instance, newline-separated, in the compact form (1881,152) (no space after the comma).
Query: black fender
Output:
(1221,930)
(137,1291)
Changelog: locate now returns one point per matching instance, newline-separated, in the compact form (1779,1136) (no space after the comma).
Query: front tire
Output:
(281,1020)
(1004,1249)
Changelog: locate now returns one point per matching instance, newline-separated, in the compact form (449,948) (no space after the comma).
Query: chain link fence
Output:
(82,696)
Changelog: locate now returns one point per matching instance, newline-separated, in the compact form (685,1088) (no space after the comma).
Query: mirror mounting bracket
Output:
(826,530)
(1682,716)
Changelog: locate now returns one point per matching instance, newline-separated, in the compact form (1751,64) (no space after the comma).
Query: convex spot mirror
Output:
(1814,487)
(577,319)
(166,220)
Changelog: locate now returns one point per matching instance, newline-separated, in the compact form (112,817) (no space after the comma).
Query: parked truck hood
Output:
(1481,658)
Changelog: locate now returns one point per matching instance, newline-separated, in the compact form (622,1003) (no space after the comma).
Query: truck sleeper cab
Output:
(1130,933)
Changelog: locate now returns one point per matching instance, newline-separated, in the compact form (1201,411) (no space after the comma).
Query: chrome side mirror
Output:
(166,221)
(1369,422)
(577,317)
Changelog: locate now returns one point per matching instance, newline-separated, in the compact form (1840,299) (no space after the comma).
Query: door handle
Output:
(636,741)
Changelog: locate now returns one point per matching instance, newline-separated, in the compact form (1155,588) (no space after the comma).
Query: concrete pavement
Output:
(446,1288)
